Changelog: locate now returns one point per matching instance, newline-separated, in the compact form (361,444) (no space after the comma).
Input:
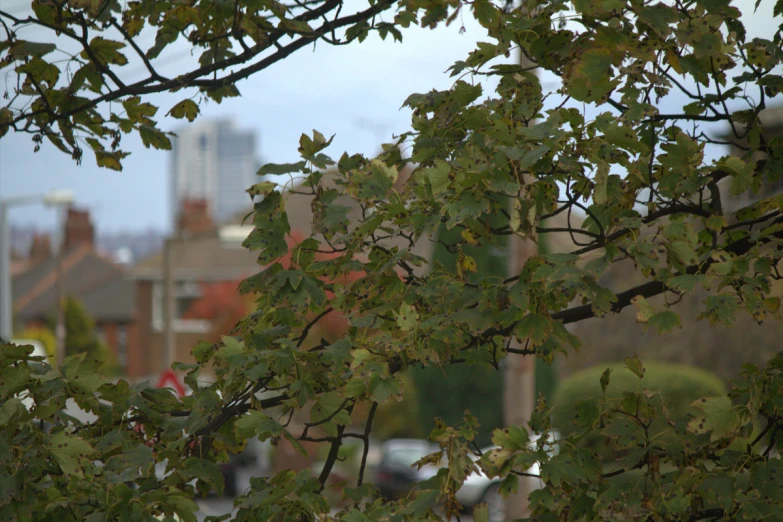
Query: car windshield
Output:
(405,456)
(552,447)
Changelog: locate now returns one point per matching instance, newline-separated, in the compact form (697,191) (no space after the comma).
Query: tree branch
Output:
(366,440)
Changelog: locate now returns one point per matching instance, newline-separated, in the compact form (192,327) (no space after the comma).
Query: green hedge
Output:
(679,385)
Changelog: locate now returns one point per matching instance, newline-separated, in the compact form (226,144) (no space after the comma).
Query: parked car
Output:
(229,470)
(479,488)
(396,476)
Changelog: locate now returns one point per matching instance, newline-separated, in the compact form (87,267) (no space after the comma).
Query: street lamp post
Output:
(56,198)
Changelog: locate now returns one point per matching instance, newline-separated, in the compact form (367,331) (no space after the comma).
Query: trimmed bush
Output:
(679,385)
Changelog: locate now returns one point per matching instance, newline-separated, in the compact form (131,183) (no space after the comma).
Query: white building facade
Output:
(215,161)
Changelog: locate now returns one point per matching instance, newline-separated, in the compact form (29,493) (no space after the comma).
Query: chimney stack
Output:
(40,249)
(195,217)
(78,229)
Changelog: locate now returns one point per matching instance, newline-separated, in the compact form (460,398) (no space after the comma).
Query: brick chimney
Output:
(40,249)
(195,217)
(78,229)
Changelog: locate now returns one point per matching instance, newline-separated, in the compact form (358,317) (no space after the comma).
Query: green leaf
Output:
(438,176)
(485,12)
(227,91)
(309,147)
(665,321)
(184,507)
(206,471)
(41,71)
(337,353)
(22,48)
(720,308)
(137,111)
(589,76)
(605,377)
(509,485)
(625,137)
(325,407)
(481,513)
(381,388)
(658,17)
(464,93)
(256,423)
(10,410)
(14,378)
(424,500)
(536,327)
(533,156)
(686,282)
(281,168)
(70,452)
(720,418)
(514,438)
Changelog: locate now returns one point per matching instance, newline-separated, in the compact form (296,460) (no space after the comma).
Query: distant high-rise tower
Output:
(213,161)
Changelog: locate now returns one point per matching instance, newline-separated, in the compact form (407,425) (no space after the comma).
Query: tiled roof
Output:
(100,285)
(113,301)
(203,257)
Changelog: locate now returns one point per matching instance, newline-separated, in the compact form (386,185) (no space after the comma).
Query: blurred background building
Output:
(213,161)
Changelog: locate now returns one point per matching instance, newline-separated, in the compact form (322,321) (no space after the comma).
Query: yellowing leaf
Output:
(682,252)
(469,236)
(481,513)
(516,219)
(185,109)
(716,222)
(644,309)
(380,166)
(152,137)
(635,365)
(110,160)
(105,52)
(468,264)
(407,318)
(601,181)
(720,417)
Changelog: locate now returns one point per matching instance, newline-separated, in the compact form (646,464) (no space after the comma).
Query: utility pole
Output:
(519,383)
(6,300)
(55,198)
(59,332)
(168,305)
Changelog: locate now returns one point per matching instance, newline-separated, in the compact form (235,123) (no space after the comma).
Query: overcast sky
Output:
(354,91)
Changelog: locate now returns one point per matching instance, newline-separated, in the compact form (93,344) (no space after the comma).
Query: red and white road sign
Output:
(169,379)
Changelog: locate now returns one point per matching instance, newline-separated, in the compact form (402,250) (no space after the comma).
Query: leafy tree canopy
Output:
(622,148)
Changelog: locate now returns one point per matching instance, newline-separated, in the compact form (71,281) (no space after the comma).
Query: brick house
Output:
(202,255)
(101,286)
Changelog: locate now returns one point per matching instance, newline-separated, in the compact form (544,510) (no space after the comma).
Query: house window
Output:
(122,345)
(185,294)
